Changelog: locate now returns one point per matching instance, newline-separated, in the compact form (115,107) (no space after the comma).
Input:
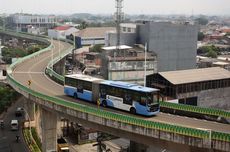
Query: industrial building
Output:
(61,32)
(174,43)
(207,87)
(92,35)
(127,64)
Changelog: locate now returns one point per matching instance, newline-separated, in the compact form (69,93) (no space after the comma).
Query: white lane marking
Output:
(21,72)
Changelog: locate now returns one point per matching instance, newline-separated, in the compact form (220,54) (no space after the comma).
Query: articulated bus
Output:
(121,95)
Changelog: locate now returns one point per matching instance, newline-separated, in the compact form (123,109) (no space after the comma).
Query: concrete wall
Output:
(126,38)
(174,44)
(214,98)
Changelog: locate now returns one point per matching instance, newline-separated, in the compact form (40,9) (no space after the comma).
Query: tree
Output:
(96,48)
(200,36)
(1,21)
(212,54)
(202,20)
(83,25)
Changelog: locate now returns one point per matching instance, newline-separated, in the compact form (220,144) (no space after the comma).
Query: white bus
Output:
(14,125)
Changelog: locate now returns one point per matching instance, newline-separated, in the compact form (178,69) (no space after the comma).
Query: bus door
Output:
(127,101)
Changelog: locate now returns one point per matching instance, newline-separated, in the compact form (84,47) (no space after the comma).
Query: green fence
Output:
(132,120)
(196,109)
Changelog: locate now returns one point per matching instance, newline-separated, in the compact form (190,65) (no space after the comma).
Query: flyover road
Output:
(34,70)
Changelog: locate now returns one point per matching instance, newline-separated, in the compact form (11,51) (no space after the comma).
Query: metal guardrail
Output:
(220,136)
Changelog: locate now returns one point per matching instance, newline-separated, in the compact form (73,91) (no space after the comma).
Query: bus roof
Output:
(127,85)
(83,77)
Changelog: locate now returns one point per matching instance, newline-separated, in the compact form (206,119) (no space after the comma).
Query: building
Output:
(174,43)
(127,64)
(207,87)
(205,62)
(21,22)
(61,32)
(92,35)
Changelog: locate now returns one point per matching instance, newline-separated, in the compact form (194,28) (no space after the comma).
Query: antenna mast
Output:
(119,15)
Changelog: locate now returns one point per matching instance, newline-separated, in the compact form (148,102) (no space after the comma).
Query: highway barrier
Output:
(196,109)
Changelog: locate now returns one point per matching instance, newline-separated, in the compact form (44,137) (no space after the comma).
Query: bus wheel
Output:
(75,95)
(133,110)
(104,103)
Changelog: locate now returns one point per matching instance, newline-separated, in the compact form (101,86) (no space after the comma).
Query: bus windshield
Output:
(150,98)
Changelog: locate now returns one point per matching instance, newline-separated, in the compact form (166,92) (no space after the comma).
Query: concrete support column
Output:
(137,147)
(38,121)
(59,126)
(29,106)
(49,130)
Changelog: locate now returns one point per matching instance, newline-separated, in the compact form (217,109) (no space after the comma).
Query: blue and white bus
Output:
(121,95)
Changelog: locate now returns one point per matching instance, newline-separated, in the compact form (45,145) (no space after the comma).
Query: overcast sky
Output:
(189,7)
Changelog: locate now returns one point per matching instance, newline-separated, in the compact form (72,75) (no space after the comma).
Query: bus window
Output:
(128,98)
(143,100)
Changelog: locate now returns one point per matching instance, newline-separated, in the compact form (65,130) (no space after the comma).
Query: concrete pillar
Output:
(59,126)
(137,147)
(38,121)
(29,107)
(49,130)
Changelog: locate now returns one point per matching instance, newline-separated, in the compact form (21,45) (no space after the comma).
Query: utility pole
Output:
(145,64)
(119,15)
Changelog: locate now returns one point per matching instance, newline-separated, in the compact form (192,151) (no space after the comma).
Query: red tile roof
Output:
(226,30)
(62,28)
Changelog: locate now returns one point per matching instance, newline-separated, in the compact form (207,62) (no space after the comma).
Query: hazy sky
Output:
(207,7)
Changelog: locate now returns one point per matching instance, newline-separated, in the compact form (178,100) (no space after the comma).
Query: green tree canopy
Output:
(96,48)
(200,36)
(202,20)
(83,25)
(209,51)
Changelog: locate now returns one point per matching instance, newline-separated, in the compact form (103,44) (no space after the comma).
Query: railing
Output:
(196,109)
(132,120)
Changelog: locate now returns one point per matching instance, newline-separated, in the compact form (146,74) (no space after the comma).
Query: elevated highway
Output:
(176,130)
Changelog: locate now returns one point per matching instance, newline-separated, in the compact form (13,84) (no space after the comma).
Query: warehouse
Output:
(207,87)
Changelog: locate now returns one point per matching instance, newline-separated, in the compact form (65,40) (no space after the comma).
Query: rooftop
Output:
(62,28)
(121,47)
(94,31)
(83,77)
(195,75)
(127,85)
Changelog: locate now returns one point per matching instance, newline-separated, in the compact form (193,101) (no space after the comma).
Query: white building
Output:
(128,27)
(21,21)
(61,32)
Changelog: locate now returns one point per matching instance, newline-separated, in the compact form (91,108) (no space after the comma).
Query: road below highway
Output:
(7,137)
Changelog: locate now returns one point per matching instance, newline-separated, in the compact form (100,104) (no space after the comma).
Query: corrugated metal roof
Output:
(93,32)
(195,75)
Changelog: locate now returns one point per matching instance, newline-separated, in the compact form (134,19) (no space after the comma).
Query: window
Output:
(124,29)
(128,98)
(70,82)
